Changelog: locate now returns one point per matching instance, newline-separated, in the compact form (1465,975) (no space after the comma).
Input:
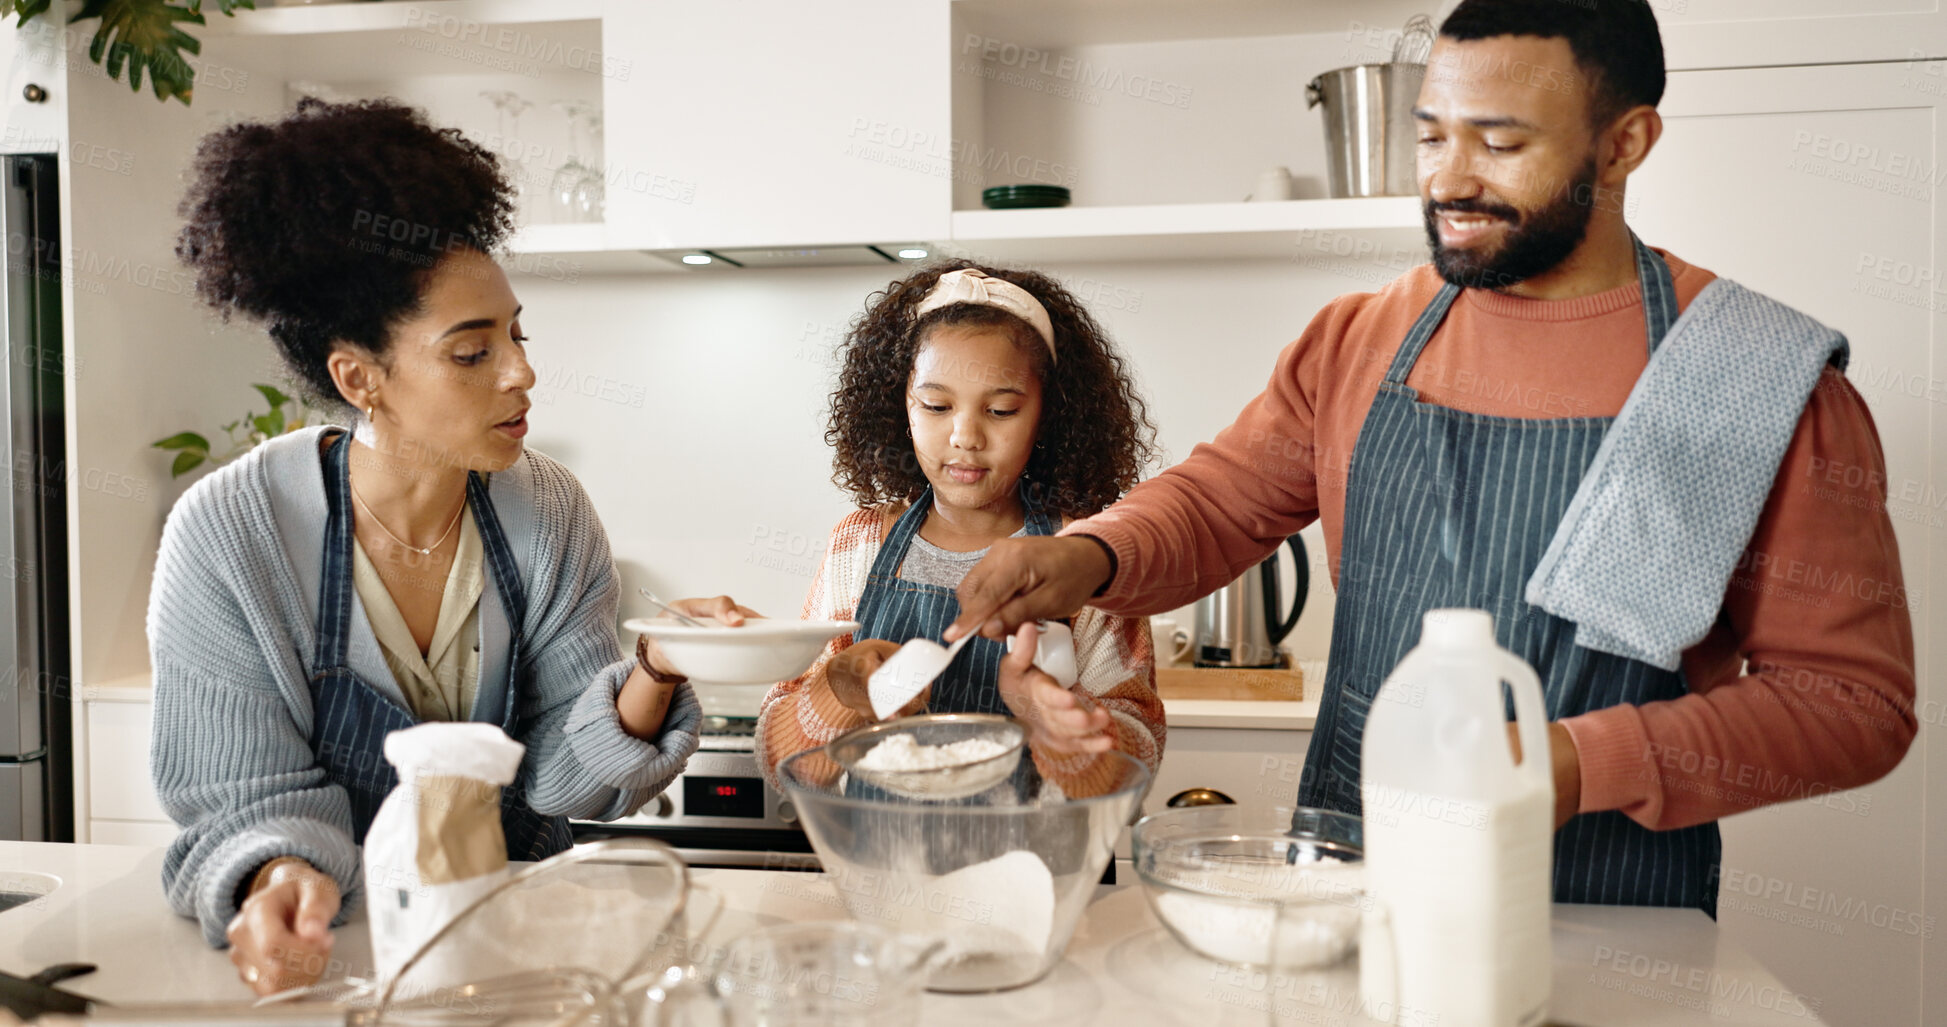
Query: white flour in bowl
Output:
(1001,907)
(900,753)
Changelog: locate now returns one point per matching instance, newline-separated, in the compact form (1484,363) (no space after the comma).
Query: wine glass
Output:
(508,107)
(589,197)
(563,192)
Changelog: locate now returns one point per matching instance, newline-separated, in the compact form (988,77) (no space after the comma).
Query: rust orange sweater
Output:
(1816,606)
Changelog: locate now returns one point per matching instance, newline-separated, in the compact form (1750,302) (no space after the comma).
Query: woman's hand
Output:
(718,608)
(643,702)
(281,938)
(849,673)
(1059,721)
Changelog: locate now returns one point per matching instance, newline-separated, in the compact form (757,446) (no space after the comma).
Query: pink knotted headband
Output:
(969,285)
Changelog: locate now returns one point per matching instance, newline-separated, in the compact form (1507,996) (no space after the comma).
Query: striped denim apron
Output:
(1446,508)
(351,718)
(898,610)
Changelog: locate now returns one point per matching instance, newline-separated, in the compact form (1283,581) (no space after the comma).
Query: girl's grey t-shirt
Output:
(928,564)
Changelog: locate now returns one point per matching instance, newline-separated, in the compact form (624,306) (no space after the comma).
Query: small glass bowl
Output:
(1280,888)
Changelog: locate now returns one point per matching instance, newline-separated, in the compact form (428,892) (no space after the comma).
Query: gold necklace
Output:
(428,551)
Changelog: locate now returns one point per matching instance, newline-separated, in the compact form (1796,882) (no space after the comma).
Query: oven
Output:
(719,811)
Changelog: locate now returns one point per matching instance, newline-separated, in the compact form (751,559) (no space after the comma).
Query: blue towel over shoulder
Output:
(1645,552)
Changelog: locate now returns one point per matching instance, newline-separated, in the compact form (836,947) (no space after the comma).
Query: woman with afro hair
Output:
(340,583)
(975,404)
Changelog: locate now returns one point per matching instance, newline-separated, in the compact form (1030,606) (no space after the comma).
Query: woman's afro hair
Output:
(326,224)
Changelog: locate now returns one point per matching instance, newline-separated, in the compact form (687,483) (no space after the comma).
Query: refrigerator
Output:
(36,692)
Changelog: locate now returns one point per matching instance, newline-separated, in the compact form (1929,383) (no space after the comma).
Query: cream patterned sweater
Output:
(1114,658)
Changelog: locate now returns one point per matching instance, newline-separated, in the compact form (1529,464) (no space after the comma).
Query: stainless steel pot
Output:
(1369,131)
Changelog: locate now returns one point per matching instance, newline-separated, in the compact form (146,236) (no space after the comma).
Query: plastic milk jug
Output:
(1459,838)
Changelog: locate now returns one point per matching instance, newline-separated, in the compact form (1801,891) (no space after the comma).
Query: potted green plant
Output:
(287,413)
(139,34)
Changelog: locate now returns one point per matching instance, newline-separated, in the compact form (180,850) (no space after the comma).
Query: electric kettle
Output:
(1239,626)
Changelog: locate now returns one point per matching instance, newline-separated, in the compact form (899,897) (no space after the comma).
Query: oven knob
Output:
(664,807)
(787,812)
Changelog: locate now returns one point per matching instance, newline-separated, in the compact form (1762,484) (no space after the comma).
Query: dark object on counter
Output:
(1012,197)
(32,997)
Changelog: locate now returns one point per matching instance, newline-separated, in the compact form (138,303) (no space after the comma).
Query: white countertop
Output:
(1612,965)
(1199,713)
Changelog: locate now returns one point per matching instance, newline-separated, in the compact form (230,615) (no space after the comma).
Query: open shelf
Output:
(312,19)
(1065,23)
(351,42)
(1292,229)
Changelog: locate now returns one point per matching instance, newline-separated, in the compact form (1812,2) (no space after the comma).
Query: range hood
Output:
(855,255)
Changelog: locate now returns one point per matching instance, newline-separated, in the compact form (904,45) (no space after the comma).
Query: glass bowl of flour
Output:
(1000,877)
(932,755)
(1269,887)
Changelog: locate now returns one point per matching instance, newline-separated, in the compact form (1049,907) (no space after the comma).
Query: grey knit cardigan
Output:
(232,633)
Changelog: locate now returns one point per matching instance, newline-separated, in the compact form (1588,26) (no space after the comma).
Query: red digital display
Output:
(740,797)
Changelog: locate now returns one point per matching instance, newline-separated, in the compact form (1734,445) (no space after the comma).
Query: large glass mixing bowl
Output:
(1001,878)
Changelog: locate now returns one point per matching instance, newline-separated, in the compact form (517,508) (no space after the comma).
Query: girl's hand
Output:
(849,673)
(281,938)
(1060,722)
(718,608)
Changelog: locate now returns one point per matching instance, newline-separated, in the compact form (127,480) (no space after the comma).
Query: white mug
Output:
(1173,644)
(1273,184)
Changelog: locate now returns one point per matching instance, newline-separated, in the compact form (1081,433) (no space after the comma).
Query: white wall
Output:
(146,359)
(720,480)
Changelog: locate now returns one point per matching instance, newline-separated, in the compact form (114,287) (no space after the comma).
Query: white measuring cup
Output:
(908,672)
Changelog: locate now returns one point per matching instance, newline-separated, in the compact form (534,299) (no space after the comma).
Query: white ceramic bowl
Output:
(758,652)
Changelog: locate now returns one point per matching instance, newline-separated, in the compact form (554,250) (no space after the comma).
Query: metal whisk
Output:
(1415,41)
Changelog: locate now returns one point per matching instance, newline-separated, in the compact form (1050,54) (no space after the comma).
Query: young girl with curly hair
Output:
(974,404)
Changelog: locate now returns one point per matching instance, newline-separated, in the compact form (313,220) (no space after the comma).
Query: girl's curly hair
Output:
(326,224)
(1095,435)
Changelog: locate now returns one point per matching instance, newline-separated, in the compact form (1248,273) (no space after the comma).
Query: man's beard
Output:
(1534,242)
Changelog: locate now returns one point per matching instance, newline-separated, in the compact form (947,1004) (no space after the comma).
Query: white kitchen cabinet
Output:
(1752,33)
(1822,186)
(1256,767)
(777,123)
(34,58)
(147,834)
(120,792)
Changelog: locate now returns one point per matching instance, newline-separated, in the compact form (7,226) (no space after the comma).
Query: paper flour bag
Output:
(436,844)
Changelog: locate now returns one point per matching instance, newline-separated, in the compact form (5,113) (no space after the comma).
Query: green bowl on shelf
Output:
(1013,197)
